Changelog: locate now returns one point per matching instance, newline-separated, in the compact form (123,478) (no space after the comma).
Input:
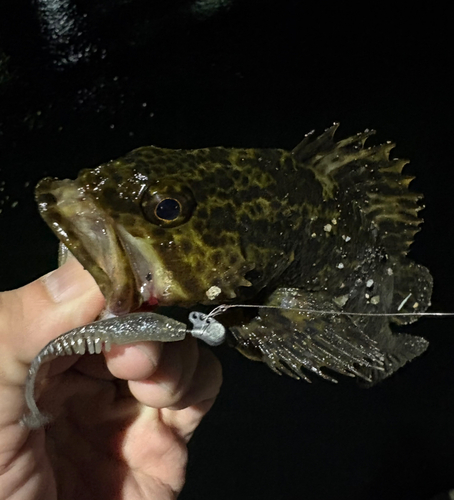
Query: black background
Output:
(108,76)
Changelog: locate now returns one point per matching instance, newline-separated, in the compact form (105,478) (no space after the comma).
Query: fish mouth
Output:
(122,270)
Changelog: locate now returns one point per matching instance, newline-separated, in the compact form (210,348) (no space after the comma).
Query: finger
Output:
(93,366)
(200,397)
(134,362)
(205,384)
(172,378)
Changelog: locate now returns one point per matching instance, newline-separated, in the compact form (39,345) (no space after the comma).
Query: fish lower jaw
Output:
(88,231)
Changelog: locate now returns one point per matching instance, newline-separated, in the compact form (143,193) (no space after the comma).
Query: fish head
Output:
(156,226)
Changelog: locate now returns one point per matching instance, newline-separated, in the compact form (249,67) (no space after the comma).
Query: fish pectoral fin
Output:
(289,339)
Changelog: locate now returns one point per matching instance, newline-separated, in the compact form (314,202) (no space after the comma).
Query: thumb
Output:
(33,315)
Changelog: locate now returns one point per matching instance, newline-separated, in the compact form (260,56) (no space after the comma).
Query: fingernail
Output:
(68,282)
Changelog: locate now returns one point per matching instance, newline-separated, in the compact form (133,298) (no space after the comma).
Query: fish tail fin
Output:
(412,290)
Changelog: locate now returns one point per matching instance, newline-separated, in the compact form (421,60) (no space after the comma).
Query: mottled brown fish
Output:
(326,226)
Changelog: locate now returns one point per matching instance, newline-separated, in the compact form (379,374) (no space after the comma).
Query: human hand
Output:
(110,438)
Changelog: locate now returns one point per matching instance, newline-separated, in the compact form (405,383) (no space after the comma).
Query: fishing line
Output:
(224,307)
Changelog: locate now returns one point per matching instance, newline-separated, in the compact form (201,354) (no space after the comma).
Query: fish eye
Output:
(167,205)
(168,209)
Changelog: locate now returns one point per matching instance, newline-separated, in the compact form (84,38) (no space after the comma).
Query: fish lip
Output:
(92,236)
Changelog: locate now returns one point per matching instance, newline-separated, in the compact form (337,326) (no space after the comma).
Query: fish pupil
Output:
(168,209)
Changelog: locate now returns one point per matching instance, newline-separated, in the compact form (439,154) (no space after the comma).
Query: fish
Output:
(324,227)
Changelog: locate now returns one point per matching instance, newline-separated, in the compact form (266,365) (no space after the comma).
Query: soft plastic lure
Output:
(100,335)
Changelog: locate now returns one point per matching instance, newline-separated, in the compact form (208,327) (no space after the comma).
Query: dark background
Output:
(84,81)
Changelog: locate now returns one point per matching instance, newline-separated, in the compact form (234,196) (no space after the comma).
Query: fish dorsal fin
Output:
(311,146)
(368,178)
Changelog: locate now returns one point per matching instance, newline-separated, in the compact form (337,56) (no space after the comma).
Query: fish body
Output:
(326,226)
